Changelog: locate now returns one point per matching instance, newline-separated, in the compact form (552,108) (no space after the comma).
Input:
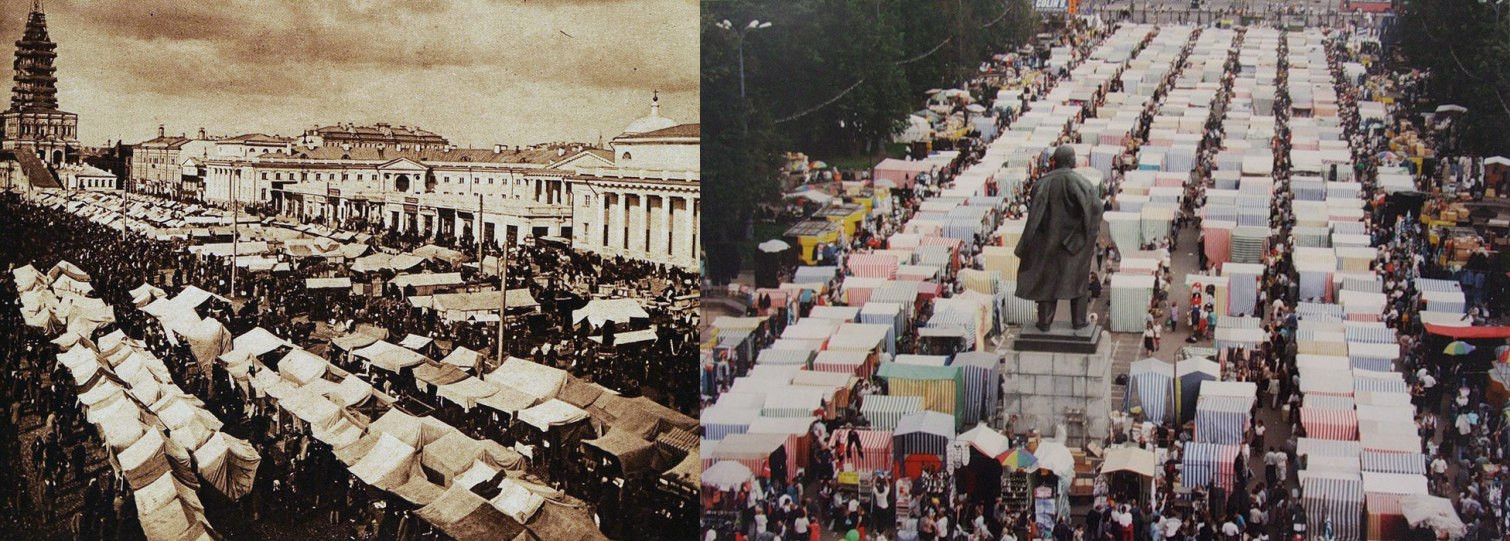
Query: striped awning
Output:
(815,275)
(1432,284)
(1150,382)
(941,256)
(903,293)
(793,357)
(1378,385)
(1238,322)
(1316,309)
(1335,498)
(957,319)
(1324,402)
(1369,285)
(875,444)
(1205,463)
(1221,419)
(924,432)
(1330,448)
(1371,334)
(982,388)
(872,265)
(884,411)
(1406,463)
(1332,424)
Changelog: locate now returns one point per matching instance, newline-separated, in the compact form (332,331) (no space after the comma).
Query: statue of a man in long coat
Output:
(1057,244)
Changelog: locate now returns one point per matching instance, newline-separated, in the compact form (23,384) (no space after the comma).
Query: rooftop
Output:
(533,156)
(678,131)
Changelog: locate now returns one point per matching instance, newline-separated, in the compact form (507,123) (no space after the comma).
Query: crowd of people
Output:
(1461,427)
(301,487)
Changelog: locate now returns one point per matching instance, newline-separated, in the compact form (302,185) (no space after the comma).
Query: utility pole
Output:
(235,232)
(503,297)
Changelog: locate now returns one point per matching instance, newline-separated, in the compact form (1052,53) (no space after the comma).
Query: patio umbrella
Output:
(1019,460)
(1451,109)
(1502,354)
(1458,347)
(773,246)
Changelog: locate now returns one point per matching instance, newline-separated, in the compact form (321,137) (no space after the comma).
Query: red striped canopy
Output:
(1331,424)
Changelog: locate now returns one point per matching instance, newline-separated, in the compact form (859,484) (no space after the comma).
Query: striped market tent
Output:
(1433,284)
(884,411)
(1327,382)
(941,256)
(872,265)
(793,401)
(1205,463)
(875,446)
(1403,463)
(1332,424)
(980,280)
(1320,401)
(1221,419)
(1371,356)
(1379,382)
(855,363)
(815,274)
(982,384)
(900,293)
(956,319)
(1338,497)
(790,357)
(1318,310)
(720,421)
(1149,383)
(798,432)
(1370,333)
(1368,285)
(752,450)
(1017,310)
(1191,375)
(924,432)
(942,388)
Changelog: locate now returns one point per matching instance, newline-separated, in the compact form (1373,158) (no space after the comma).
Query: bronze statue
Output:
(1064,220)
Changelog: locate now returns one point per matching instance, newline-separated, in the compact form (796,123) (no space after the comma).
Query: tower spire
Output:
(655,102)
(36,5)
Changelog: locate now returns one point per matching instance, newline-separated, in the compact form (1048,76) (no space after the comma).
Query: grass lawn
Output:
(863,161)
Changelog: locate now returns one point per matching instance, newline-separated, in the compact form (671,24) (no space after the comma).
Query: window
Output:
(625,157)
(264,175)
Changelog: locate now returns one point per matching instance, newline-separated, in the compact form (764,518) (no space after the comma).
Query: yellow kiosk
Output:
(811,234)
(848,216)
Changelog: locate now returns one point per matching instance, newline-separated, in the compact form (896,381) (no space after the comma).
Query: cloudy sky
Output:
(477,71)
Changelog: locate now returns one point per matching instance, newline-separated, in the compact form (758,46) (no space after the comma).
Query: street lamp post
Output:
(740,44)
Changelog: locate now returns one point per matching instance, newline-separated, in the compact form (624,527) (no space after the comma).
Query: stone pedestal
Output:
(1060,338)
(1046,388)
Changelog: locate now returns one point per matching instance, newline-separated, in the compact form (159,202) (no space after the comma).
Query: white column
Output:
(663,231)
(617,229)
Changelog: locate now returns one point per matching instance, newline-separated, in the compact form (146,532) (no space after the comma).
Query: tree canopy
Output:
(1466,45)
(827,77)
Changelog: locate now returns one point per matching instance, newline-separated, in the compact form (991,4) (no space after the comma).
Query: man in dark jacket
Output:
(1064,220)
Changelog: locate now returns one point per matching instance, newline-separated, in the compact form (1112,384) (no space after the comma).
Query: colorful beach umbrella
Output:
(1458,347)
(1019,460)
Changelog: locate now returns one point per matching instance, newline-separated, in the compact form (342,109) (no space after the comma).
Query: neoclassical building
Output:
(638,199)
(647,205)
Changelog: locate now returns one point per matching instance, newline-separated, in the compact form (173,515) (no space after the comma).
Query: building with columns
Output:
(647,205)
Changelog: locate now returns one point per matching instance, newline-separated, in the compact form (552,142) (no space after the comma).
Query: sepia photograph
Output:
(1306,198)
(350,270)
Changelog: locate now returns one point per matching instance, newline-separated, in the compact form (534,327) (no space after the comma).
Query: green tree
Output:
(1466,46)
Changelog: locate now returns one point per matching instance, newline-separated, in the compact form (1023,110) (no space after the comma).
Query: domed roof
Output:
(652,122)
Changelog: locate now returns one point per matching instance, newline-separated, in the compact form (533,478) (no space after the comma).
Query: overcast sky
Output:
(476,71)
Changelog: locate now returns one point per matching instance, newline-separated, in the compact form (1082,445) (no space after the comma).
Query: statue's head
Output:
(1064,157)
